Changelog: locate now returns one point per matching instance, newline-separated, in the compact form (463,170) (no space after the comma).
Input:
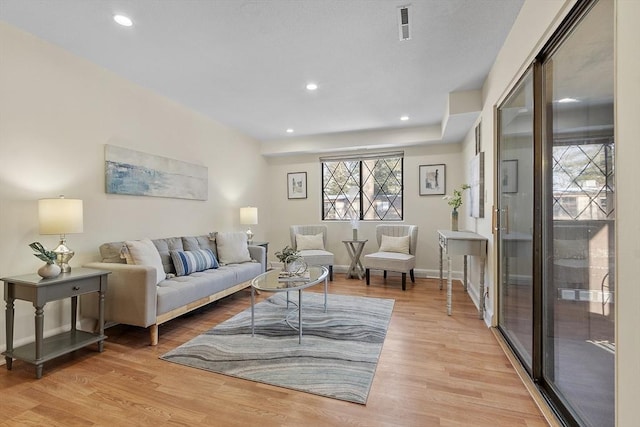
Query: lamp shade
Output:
(60,216)
(249,215)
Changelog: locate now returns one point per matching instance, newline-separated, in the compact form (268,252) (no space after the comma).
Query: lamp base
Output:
(63,256)
(249,236)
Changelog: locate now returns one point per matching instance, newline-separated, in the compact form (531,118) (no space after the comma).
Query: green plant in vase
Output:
(455,202)
(288,257)
(50,269)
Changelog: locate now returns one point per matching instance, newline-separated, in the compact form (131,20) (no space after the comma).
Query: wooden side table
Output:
(30,287)
(355,247)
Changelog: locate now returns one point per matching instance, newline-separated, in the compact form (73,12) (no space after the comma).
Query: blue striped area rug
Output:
(337,357)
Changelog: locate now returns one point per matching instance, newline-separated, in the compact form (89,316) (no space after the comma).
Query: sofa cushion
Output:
(144,252)
(112,252)
(187,262)
(309,242)
(232,247)
(193,243)
(394,244)
(166,245)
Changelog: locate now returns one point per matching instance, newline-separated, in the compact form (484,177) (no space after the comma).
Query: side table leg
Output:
(9,315)
(440,267)
(481,305)
(74,313)
(101,319)
(449,285)
(39,339)
(465,273)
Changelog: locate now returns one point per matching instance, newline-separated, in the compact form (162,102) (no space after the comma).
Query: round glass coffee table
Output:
(272,282)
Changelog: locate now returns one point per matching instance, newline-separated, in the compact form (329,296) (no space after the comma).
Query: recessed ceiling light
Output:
(289,130)
(404,118)
(567,100)
(125,21)
(312,86)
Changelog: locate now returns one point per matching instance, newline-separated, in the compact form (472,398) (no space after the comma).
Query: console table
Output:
(355,247)
(462,243)
(31,287)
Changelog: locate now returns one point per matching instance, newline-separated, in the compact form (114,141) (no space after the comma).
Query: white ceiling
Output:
(245,63)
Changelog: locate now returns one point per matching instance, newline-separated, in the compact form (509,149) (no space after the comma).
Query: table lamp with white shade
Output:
(249,216)
(61,216)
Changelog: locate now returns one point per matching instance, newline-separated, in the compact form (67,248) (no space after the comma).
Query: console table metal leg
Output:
(253,291)
(300,316)
(449,285)
(326,289)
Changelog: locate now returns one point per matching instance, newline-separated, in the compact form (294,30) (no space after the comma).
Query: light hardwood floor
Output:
(434,370)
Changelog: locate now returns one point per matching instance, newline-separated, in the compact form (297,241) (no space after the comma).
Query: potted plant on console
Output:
(455,202)
(50,269)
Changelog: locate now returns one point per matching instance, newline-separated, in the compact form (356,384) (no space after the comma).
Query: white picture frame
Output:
(432,179)
(297,185)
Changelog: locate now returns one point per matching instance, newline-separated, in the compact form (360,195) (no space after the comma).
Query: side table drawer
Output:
(71,289)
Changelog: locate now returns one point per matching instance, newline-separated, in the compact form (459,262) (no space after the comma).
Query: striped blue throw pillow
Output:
(187,262)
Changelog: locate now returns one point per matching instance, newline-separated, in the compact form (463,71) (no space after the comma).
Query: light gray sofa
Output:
(135,298)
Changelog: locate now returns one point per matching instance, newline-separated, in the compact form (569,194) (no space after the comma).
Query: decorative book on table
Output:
(288,277)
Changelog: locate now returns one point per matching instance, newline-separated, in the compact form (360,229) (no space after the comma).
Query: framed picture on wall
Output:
(432,179)
(476,192)
(509,176)
(297,185)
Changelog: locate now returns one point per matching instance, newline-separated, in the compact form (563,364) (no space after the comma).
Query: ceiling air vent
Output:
(403,22)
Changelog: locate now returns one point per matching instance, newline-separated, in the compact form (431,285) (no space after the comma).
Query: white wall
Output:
(56,113)
(429,213)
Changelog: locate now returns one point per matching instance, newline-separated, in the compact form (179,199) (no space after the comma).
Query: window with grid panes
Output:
(366,188)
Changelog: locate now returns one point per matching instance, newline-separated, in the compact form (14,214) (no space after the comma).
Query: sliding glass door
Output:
(555,218)
(515,218)
(579,219)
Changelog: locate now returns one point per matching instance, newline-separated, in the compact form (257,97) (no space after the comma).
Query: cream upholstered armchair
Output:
(397,251)
(311,241)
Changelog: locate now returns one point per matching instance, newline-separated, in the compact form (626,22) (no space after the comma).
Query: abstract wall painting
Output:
(476,199)
(432,179)
(140,174)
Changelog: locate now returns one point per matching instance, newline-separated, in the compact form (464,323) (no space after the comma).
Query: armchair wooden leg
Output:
(413,277)
(366,273)
(384,274)
(404,281)
(331,273)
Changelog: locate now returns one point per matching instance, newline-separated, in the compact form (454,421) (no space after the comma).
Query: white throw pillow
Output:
(306,242)
(232,247)
(395,244)
(144,252)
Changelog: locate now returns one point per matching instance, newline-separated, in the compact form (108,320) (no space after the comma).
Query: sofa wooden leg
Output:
(404,281)
(413,277)
(367,275)
(331,273)
(153,331)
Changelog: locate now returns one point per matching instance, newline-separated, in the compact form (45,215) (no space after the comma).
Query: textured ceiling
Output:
(245,63)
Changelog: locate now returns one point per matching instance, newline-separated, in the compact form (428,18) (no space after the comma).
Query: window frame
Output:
(362,202)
